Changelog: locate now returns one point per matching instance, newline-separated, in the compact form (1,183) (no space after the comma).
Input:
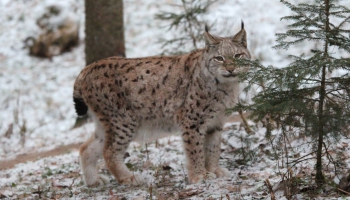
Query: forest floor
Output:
(59,150)
(55,173)
(39,157)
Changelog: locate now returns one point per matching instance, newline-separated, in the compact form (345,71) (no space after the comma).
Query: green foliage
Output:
(312,23)
(246,153)
(312,92)
(294,90)
(189,23)
(48,172)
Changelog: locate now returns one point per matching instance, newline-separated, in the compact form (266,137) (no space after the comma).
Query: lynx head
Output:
(221,53)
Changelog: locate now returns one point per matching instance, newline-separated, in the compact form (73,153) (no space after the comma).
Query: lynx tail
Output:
(80,106)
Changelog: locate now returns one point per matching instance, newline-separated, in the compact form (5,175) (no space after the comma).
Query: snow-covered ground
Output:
(36,101)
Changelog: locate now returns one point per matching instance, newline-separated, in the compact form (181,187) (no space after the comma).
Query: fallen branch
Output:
(345,192)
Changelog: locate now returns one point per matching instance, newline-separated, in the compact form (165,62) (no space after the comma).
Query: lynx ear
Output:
(241,36)
(209,39)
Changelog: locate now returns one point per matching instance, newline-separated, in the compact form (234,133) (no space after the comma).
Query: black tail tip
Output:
(80,106)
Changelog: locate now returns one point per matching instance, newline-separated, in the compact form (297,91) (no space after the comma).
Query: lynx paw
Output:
(222,172)
(101,180)
(134,179)
(210,175)
(198,178)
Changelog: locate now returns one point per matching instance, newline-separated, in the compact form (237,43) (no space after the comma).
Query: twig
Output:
(269,187)
(246,125)
(150,192)
(341,190)
(189,21)
(289,182)
(71,185)
(39,192)
(330,158)
(136,181)
(297,160)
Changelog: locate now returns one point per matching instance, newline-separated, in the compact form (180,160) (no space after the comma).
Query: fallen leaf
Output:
(188,193)
(234,188)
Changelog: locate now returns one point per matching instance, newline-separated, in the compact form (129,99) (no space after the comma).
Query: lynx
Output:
(136,98)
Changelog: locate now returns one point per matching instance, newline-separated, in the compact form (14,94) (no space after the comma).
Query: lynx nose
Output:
(231,70)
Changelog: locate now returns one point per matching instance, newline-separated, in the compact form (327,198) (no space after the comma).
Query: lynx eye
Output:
(239,55)
(219,59)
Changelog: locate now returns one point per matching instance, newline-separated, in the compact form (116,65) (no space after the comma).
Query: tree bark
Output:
(104,29)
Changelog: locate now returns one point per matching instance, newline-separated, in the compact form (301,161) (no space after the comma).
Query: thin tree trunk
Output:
(319,174)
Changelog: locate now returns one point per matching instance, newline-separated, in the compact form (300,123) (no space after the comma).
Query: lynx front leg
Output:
(212,153)
(193,145)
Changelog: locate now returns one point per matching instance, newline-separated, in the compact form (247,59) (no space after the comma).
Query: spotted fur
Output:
(142,98)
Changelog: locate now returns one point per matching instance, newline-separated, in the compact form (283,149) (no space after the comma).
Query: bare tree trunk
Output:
(104,29)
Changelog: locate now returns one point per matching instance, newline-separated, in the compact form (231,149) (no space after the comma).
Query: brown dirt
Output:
(33,156)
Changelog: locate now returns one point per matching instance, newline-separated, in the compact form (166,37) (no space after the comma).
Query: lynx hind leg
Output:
(212,154)
(90,153)
(119,134)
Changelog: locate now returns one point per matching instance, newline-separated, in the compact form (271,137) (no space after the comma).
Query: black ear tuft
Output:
(242,24)
(206,28)
(241,36)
